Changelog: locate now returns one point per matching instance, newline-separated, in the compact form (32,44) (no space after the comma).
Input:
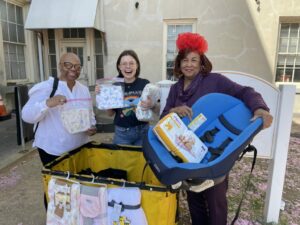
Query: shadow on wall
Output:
(234,37)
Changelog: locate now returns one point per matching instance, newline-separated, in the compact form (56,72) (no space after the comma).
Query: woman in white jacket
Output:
(51,138)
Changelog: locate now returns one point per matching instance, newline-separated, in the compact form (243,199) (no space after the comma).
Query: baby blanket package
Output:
(178,139)
(111,95)
(153,92)
(76,115)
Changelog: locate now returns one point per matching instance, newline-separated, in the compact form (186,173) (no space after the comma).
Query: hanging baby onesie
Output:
(63,205)
(124,207)
(93,205)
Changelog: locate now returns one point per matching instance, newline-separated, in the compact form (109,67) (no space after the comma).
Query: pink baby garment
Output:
(93,205)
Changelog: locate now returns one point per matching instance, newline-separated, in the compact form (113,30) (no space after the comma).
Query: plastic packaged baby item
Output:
(111,95)
(63,204)
(153,91)
(76,115)
(178,139)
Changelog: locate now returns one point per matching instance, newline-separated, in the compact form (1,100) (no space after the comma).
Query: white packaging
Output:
(152,91)
(111,95)
(178,139)
(76,115)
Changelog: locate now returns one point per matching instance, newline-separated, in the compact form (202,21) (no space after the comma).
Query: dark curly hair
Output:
(205,64)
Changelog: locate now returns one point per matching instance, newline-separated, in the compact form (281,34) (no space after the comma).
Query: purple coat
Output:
(209,83)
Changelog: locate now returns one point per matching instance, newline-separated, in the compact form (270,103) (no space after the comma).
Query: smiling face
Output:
(190,65)
(128,67)
(69,68)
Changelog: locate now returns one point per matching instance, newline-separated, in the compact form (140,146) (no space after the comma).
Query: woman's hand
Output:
(183,111)
(97,89)
(56,100)
(91,131)
(110,112)
(265,115)
(147,104)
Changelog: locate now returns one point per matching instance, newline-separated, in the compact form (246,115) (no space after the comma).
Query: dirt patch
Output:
(22,192)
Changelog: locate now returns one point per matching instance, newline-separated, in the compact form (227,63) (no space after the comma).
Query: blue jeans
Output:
(130,135)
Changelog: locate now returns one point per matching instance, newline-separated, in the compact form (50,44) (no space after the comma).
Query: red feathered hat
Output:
(192,41)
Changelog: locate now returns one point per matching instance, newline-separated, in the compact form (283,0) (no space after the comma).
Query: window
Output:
(288,62)
(173,29)
(74,33)
(52,54)
(13,40)
(99,54)
(78,51)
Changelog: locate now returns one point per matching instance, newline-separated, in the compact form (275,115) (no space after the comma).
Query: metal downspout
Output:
(40,56)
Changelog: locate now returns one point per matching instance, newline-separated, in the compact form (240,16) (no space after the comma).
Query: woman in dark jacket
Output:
(193,69)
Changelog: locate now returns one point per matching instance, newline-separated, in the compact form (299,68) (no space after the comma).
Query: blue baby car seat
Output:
(227,131)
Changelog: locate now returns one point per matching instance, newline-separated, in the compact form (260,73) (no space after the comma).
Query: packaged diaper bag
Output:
(179,140)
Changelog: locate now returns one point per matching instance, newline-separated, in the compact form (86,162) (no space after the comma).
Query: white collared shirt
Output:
(51,136)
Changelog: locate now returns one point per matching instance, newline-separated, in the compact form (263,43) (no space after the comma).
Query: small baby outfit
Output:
(93,205)
(63,206)
(124,207)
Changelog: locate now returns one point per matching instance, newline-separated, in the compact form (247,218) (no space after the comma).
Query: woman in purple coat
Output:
(193,69)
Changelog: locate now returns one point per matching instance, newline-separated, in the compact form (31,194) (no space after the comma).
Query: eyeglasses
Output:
(69,66)
(130,64)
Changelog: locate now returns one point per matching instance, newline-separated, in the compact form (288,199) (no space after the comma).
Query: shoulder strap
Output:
(250,148)
(54,88)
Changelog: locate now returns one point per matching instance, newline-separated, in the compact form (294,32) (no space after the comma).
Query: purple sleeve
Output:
(247,94)
(170,103)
